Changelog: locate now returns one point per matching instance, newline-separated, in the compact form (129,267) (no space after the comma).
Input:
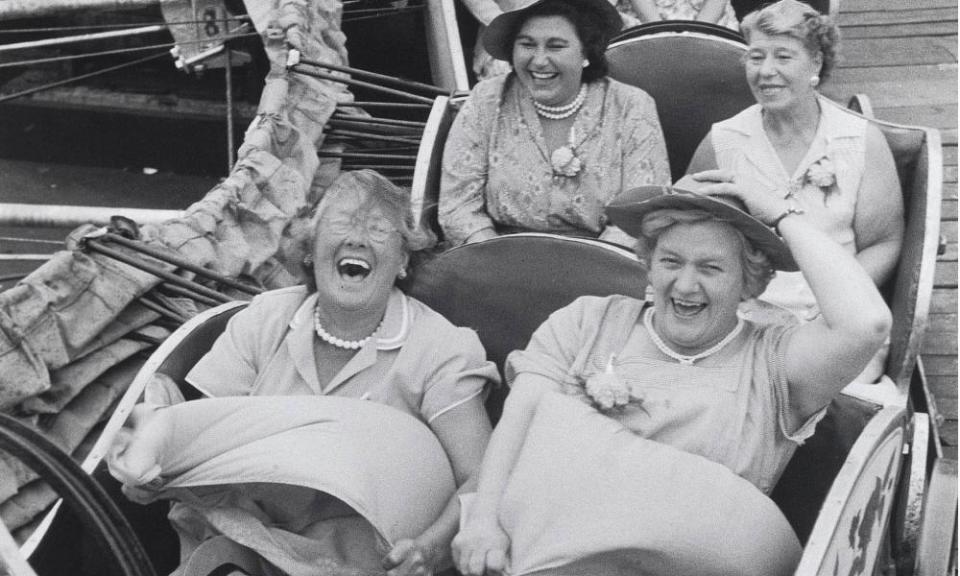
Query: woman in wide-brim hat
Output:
(708,396)
(546,147)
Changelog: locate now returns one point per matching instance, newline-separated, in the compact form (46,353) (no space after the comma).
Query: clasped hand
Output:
(481,549)
(762,204)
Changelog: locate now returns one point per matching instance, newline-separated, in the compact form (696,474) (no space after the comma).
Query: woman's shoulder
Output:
(427,323)
(626,93)
(273,303)
(741,122)
(600,306)
(491,88)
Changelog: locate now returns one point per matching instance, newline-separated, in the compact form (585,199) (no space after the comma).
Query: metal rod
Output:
(180,262)
(377,128)
(14,9)
(374,105)
(36,30)
(82,38)
(228,80)
(25,257)
(374,120)
(81,77)
(371,136)
(385,167)
(359,83)
(410,84)
(96,246)
(161,310)
(180,291)
(31,240)
(73,216)
(366,156)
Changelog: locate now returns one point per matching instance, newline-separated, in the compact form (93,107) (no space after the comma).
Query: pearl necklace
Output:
(681,358)
(339,342)
(561,112)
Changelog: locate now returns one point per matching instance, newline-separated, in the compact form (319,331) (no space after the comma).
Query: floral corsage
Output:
(822,174)
(608,391)
(564,160)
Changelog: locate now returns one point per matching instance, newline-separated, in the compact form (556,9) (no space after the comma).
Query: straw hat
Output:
(630,207)
(498,36)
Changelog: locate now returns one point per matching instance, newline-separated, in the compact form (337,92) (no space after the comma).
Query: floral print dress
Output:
(497,171)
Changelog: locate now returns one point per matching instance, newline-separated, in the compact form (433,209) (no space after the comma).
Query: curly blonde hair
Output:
(818,32)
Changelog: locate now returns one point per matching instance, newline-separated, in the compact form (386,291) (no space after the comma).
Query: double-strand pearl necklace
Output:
(339,342)
(681,358)
(561,112)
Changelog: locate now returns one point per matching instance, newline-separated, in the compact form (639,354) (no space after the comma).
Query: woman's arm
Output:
(481,546)
(822,356)
(646,10)
(463,432)
(462,211)
(878,222)
(704,158)
(712,11)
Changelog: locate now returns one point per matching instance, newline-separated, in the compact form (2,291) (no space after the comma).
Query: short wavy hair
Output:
(392,198)
(590,29)
(818,32)
(757,270)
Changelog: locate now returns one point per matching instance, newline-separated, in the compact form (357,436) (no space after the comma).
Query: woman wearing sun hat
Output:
(548,146)
(716,404)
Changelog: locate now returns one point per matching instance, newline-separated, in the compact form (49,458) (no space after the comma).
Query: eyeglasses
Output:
(378,228)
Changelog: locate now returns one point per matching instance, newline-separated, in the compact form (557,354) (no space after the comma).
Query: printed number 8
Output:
(210,18)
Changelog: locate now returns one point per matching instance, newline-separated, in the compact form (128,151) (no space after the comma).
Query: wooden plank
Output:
(847,6)
(948,207)
(908,30)
(942,323)
(950,173)
(941,116)
(944,300)
(881,17)
(948,432)
(896,86)
(948,230)
(947,407)
(939,343)
(950,158)
(947,385)
(950,254)
(945,275)
(862,52)
(940,365)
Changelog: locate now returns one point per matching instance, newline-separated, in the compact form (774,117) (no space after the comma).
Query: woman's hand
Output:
(764,205)
(410,558)
(481,548)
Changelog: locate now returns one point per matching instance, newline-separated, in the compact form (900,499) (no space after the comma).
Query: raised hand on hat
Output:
(764,205)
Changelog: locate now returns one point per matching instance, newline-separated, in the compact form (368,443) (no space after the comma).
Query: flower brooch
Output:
(564,160)
(822,173)
(609,392)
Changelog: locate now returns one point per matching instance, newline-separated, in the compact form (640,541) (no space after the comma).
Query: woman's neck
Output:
(800,120)
(349,324)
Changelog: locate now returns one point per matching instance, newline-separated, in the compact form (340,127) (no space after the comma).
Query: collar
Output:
(300,338)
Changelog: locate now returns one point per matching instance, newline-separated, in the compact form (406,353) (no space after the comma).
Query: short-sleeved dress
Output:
(683,10)
(728,408)
(418,363)
(497,172)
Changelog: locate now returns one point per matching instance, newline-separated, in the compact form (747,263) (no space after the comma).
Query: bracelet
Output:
(791,210)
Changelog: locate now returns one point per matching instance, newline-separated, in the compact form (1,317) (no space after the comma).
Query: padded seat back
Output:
(506,287)
(694,72)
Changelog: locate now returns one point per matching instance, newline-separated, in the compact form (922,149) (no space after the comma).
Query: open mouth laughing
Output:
(353,269)
(687,308)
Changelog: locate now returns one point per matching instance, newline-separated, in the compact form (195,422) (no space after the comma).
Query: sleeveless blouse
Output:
(825,182)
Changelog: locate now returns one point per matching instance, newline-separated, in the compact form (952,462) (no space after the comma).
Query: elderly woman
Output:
(796,144)
(704,393)
(547,146)
(357,342)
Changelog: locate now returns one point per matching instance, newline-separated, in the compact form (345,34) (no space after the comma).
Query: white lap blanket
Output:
(385,465)
(590,497)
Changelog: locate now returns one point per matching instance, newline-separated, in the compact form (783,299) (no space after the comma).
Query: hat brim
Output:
(498,36)
(628,210)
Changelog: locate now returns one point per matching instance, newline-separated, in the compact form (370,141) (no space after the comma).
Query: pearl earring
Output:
(585,63)
(815,80)
(308,260)
(402,274)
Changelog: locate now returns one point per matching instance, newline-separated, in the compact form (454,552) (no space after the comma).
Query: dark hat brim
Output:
(498,36)
(628,210)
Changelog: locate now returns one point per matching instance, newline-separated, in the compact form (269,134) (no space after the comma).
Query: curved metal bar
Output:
(360,84)
(435,90)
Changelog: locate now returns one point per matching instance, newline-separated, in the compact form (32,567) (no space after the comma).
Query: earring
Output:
(308,260)
(815,80)
(402,274)
(585,63)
